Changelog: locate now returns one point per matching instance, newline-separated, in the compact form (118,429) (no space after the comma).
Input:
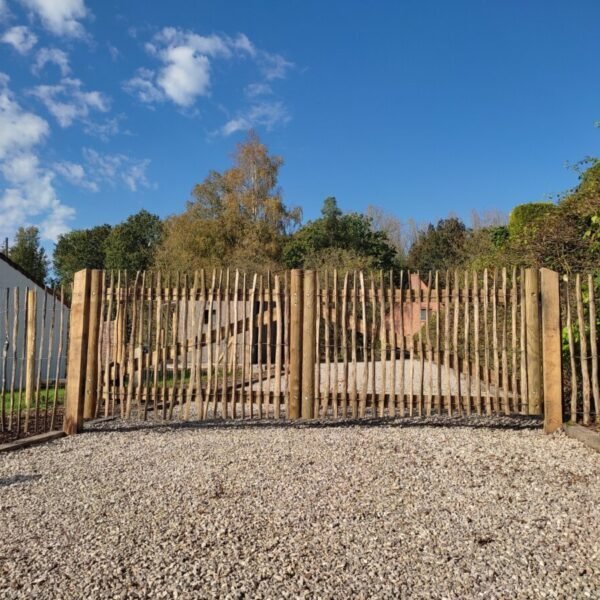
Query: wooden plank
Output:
(30,353)
(344,324)
(318,310)
(400,306)
(91,380)
(261,397)
(156,362)
(209,347)
(585,376)
(552,350)
(308,345)
(496,358)
(354,373)
(336,318)
(421,351)
(268,344)
(131,351)
(59,354)
(486,344)
(455,342)
(327,315)
(234,364)
(145,386)
(373,344)
(504,349)
(594,346)
(523,345)
(534,359)
(278,347)
(245,388)
(51,335)
(296,322)
(573,373)
(514,341)
(477,365)
(411,383)
(428,349)
(393,344)
(225,308)
(467,353)
(78,340)
(251,346)
(447,308)
(217,353)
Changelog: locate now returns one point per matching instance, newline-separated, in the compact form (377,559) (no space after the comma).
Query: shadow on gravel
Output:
(514,423)
(14,479)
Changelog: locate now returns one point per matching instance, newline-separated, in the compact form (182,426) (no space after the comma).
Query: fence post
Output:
(534,359)
(78,343)
(551,350)
(295,378)
(30,352)
(91,372)
(308,345)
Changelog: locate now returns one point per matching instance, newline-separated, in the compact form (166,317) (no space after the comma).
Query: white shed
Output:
(52,326)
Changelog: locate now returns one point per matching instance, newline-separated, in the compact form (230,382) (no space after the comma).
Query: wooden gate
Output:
(227,345)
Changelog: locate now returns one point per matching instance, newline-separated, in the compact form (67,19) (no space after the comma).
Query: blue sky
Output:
(422,108)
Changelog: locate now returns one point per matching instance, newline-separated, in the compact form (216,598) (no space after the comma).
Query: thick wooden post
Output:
(551,350)
(534,358)
(30,352)
(91,372)
(309,345)
(78,343)
(295,377)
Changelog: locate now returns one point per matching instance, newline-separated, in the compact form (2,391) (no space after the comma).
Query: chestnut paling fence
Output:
(33,334)
(229,345)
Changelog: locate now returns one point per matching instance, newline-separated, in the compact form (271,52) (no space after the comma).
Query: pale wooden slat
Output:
(477,364)
(594,346)
(455,348)
(345,346)
(393,344)
(317,366)
(585,377)
(402,384)
(523,345)
(327,315)
(467,355)
(250,347)
(373,344)
(496,358)
(278,347)
(447,308)
(573,405)
(260,320)
(411,383)
(353,327)
(225,353)
(486,344)
(428,349)
(504,350)
(514,340)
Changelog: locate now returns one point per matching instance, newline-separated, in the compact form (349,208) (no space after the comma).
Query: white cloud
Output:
(20,38)
(75,173)
(114,52)
(186,59)
(3,10)
(265,114)
(253,90)
(111,168)
(54,56)
(19,130)
(105,129)
(274,66)
(68,102)
(29,195)
(61,17)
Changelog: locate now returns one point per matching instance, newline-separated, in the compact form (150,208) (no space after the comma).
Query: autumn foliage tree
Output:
(235,219)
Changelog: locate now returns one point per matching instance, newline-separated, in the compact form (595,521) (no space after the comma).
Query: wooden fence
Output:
(33,333)
(319,345)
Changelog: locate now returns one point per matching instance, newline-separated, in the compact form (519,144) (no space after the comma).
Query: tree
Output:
(346,241)
(80,249)
(131,245)
(236,218)
(29,255)
(440,246)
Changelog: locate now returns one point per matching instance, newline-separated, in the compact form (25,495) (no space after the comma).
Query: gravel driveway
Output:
(400,509)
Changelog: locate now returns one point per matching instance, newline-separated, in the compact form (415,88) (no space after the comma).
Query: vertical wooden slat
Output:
(122,350)
(101,341)
(318,309)
(269,394)
(419,298)
(209,347)
(504,352)
(131,352)
(344,324)
(156,355)
(146,342)
(225,324)
(13,345)
(523,345)
(183,347)
(594,346)
(39,359)
(308,346)
(393,344)
(402,384)
(373,344)
(353,327)
(336,320)
(244,353)
(467,353)
(428,348)
(573,405)
(514,340)
(234,365)
(91,379)
(192,393)
(327,314)
(31,353)
(217,354)
(447,308)
(457,369)
(477,364)
(296,321)
(495,341)
(411,316)
(51,335)
(260,347)
(486,344)
(534,359)
(252,306)
(59,353)
(438,364)
(585,376)
(278,347)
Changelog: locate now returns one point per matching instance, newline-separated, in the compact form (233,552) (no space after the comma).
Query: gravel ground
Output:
(438,508)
